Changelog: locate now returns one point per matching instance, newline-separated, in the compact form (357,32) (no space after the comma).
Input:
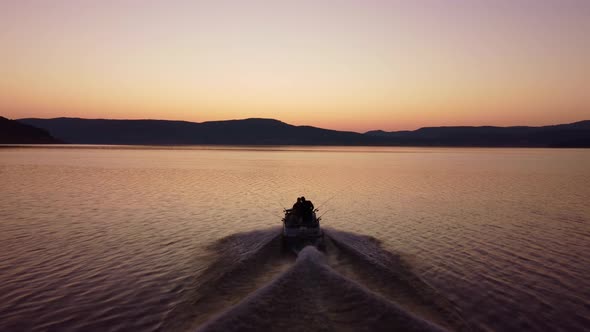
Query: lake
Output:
(179,238)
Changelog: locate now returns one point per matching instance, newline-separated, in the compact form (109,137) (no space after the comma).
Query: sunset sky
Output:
(349,65)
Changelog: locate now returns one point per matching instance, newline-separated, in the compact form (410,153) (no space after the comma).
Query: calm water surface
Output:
(129,239)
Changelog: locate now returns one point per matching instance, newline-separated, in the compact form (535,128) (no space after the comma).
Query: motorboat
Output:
(302,229)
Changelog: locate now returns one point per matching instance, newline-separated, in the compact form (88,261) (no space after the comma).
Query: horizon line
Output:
(273,119)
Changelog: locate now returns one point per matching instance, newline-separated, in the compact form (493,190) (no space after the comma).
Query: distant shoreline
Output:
(271,132)
(269,148)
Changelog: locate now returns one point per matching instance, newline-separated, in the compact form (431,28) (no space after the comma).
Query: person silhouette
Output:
(298,207)
(307,209)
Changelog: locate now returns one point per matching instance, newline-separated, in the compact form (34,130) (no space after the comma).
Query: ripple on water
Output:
(115,239)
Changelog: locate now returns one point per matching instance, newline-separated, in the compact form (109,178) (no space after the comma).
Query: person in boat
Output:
(307,209)
(298,207)
(307,205)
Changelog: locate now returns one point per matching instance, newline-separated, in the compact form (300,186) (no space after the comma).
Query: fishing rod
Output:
(320,217)
(264,199)
(334,196)
(326,201)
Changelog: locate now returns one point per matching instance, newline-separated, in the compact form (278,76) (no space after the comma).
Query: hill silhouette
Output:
(566,135)
(247,132)
(14,132)
(274,132)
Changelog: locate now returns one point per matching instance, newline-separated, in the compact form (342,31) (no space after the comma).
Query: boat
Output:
(302,230)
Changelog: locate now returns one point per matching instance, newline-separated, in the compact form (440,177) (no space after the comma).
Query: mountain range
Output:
(274,132)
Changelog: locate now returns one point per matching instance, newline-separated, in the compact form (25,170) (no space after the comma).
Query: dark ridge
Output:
(14,132)
(159,132)
(564,135)
(257,131)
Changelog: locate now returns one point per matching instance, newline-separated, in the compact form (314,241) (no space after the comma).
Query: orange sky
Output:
(350,65)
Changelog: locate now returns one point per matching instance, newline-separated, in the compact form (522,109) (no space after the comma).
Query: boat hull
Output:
(301,231)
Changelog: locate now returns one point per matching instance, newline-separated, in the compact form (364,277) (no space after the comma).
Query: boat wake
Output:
(354,285)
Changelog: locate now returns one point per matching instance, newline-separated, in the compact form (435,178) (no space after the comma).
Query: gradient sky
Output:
(350,65)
